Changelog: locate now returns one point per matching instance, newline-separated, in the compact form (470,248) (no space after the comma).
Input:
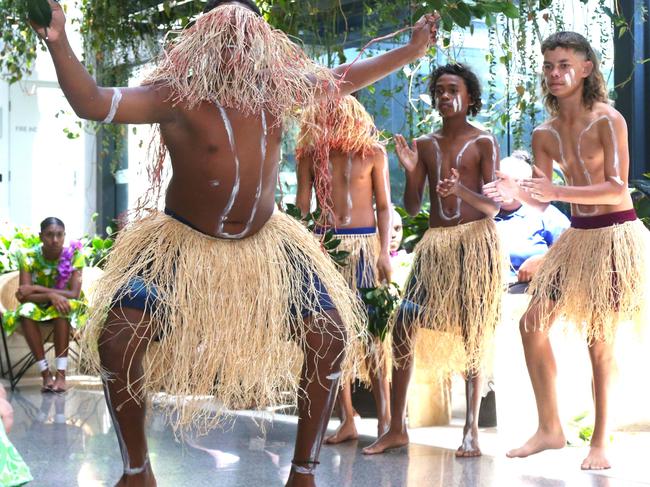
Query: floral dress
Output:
(54,274)
(13,470)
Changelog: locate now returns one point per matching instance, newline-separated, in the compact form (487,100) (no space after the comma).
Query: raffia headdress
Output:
(233,57)
(340,124)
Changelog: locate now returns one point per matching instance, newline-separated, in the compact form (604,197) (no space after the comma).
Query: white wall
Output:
(45,173)
(4,152)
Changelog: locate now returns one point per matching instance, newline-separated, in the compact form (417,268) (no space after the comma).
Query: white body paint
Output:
(335,378)
(386,179)
(468,438)
(235,190)
(570,77)
(583,167)
(459,159)
(258,191)
(441,211)
(115,103)
(346,175)
(235,187)
(128,470)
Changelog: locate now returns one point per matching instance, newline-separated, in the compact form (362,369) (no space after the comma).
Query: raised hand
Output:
(450,185)
(540,187)
(425,32)
(57,27)
(408,157)
(503,189)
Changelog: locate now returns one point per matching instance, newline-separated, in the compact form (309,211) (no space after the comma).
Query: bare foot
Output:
(596,460)
(470,447)
(387,442)
(48,383)
(347,431)
(300,480)
(540,441)
(59,384)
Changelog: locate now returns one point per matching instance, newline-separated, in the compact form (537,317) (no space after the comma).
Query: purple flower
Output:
(65,268)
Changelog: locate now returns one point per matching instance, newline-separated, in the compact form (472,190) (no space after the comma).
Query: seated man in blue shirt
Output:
(526,234)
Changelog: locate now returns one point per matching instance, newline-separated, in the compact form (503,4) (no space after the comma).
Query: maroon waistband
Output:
(601,221)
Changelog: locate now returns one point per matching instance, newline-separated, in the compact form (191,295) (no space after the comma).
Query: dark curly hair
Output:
(471,82)
(212,4)
(594,89)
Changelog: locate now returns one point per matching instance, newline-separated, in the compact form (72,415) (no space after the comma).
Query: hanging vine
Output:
(329,27)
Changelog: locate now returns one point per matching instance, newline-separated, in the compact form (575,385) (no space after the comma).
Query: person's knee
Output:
(327,338)
(601,353)
(117,337)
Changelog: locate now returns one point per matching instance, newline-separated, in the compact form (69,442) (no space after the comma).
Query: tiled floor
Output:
(68,440)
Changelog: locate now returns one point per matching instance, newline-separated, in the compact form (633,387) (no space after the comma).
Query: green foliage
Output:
(95,248)
(11,245)
(585,433)
(380,302)
(19,41)
(39,11)
(414,227)
(581,430)
(132,30)
(328,239)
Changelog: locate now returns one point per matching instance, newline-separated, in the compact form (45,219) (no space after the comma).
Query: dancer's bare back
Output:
(356,183)
(225,168)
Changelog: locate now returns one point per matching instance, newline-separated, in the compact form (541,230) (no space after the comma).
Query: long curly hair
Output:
(594,88)
(471,82)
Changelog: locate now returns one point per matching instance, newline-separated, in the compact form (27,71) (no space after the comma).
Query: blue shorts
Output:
(365,272)
(139,294)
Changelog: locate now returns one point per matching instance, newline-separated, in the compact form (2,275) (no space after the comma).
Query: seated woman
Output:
(526,234)
(49,291)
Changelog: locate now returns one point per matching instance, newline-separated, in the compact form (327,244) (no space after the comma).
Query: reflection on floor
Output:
(67,440)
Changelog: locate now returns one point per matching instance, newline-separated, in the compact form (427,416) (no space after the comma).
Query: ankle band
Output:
(129,471)
(304,467)
(61,363)
(42,365)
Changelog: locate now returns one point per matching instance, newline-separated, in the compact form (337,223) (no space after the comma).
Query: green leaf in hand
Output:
(39,12)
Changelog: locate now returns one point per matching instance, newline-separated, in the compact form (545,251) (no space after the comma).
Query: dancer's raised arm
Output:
(364,72)
(143,104)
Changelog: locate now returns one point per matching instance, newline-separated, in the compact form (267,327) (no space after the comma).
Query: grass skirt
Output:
(360,271)
(360,247)
(225,313)
(455,291)
(595,279)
